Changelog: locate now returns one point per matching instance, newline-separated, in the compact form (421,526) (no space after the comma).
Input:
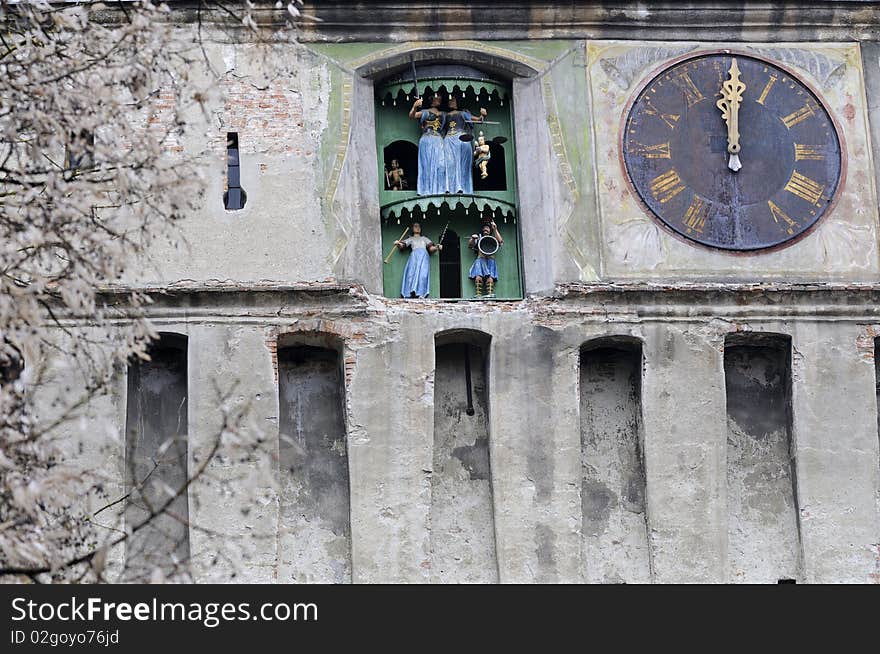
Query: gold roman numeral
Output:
(798,116)
(696,214)
(666,186)
(805,188)
(767,88)
(779,215)
(808,152)
(691,92)
(659,151)
(671,120)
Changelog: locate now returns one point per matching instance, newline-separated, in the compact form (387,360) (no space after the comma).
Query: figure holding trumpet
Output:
(417,274)
(484,271)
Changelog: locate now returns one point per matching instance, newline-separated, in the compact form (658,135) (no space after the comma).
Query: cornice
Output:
(340,21)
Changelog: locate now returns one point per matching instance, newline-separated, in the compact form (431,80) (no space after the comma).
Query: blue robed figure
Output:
(417,274)
(484,270)
(432,156)
(459,154)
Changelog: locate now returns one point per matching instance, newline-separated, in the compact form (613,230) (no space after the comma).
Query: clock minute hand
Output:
(731,98)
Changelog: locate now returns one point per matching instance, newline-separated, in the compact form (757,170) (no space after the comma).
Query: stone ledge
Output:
(345,21)
(276,303)
(348,20)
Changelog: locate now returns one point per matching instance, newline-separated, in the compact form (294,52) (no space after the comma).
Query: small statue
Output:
(395,179)
(432,157)
(417,273)
(484,269)
(482,156)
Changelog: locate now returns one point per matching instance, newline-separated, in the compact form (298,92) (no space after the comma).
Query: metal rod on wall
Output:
(467,380)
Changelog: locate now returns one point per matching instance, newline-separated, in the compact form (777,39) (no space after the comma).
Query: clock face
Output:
(676,152)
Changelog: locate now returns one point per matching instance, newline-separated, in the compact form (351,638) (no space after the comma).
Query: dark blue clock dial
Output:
(675,150)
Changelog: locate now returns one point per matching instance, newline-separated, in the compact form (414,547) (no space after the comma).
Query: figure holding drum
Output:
(484,271)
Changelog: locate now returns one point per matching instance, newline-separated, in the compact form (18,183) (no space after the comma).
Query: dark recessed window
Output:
(235,197)
(80,150)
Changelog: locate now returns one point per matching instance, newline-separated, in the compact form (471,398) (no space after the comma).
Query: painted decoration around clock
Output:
(678,150)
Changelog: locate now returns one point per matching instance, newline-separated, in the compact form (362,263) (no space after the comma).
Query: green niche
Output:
(509,286)
(397,136)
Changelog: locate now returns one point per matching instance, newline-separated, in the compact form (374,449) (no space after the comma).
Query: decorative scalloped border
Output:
(396,209)
(478,87)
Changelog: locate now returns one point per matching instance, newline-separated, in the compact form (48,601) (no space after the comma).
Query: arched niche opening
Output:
(497,169)
(462,516)
(401,161)
(763,529)
(495,65)
(156,455)
(315,534)
(613,479)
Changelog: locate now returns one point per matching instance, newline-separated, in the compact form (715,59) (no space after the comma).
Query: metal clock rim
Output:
(631,187)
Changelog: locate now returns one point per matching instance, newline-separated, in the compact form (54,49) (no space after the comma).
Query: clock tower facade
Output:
(646,349)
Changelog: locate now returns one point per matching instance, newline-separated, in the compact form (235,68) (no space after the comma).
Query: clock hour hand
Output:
(731,98)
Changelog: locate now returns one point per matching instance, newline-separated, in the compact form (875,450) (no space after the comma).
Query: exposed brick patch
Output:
(865,342)
(156,121)
(345,336)
(268,120)
(349,364)
(272,344)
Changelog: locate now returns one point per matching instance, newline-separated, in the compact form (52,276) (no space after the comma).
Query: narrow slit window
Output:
(235,197)
(80,151)
(11,362)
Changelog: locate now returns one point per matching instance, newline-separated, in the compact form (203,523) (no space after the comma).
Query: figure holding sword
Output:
(417,274)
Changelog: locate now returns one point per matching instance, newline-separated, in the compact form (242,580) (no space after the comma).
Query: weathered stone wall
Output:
(303,258)
(304,115)
(535,418)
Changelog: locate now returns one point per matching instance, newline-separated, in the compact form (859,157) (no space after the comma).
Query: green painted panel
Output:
(332,135)
(345,52)
(507,260)
(393,124)
(547,50)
